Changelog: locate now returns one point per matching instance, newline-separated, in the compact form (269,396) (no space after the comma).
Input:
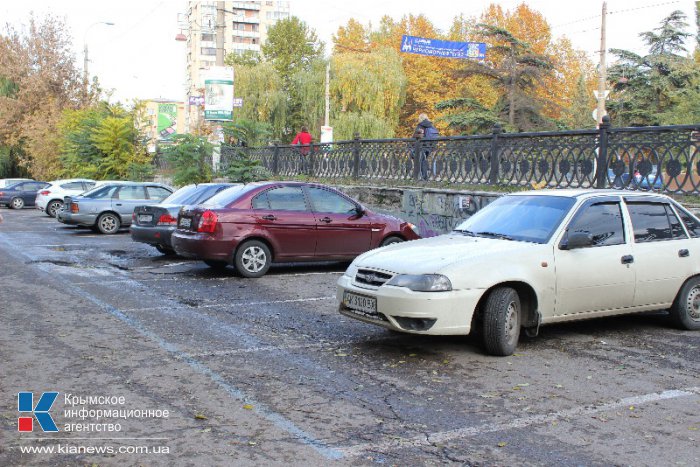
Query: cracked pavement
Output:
(266,372)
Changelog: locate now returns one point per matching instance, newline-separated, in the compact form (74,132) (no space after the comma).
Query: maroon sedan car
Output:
(254,225)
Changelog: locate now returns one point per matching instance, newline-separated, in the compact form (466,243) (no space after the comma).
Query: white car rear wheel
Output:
(53,207)
(685,311)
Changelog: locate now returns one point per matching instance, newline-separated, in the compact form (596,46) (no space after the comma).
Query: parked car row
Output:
(18,194)
(525,260)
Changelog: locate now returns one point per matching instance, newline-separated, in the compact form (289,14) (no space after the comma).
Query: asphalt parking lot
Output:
(266,372)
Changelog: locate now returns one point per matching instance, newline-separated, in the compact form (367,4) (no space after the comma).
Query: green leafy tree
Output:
(247,58)
(239,167)
(191,159)
(468,115)
(242,169)
(644,87)
(578,114)
(517,76)
(103,142)
(368,92)
(291,46)
(244,132)
(264,98)
(307,98)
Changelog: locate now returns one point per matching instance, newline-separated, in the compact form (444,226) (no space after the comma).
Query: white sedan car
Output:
(50,199)
(534,258)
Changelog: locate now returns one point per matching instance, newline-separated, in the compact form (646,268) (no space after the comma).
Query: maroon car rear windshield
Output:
(228,196)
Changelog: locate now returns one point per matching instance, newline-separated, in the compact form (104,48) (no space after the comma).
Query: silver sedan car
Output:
(107,208)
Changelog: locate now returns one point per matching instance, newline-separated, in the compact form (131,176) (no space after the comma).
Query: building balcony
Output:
(245,5)
(244,19)
(239,46)
(239,33)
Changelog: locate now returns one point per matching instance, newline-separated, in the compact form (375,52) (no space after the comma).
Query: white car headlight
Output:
(422,282)
(351,270)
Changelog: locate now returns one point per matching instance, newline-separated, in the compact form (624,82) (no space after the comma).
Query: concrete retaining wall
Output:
(433,211)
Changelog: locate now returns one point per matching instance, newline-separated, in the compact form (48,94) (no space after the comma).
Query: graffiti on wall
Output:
(436,213)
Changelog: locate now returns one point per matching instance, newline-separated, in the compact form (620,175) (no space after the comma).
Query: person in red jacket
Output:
(304,139)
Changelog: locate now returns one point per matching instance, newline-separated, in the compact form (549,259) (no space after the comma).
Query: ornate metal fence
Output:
(645,158)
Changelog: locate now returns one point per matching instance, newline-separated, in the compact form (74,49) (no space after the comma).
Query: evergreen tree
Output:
(644,86)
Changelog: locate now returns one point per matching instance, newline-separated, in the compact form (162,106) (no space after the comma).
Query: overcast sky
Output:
(138,57)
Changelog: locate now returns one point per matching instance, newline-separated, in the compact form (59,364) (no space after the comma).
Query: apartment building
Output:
(244,28)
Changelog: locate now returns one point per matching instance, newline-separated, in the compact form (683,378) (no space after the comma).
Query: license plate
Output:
(144,218)
(360,302)
(185,222)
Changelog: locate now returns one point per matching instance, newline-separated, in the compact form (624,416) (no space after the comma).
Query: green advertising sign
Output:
(167,121)
(218,94)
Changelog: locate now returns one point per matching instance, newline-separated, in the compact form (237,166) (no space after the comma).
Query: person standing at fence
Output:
(425,130)
(303,139)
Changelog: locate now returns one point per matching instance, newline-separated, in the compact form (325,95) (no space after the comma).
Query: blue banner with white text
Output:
(445,49)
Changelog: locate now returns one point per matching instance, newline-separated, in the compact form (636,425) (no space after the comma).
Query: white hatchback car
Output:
(534,258)
(50,199)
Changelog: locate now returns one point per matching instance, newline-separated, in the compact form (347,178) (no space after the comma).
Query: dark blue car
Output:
(653,181)
(21,194)
(154,224)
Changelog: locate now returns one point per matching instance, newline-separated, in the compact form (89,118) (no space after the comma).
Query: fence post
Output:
(417,148)
(311,156)
(276,159)
(495,162)
(356,156)
(602,159)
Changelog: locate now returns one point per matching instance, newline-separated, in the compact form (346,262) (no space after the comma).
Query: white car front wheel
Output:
(502,317)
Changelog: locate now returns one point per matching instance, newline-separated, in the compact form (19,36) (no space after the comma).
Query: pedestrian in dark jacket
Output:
(425,130)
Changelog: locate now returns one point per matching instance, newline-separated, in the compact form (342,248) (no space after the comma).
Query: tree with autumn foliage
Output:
(427,80)
(38,80)
(517,74)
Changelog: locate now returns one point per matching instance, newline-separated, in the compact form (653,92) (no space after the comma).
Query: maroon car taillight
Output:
(207,223)
(74,208)
(45,193)
(2,193)
(167,219)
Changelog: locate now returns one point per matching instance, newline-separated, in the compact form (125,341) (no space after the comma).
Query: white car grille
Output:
(371,278)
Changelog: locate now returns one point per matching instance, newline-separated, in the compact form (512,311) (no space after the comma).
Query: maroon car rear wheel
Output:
(252,259)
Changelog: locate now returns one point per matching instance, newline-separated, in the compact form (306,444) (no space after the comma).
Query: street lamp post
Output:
(86,75)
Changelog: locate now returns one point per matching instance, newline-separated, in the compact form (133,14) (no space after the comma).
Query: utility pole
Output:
(328,93)
(86,75)
(220,32)
(602,71)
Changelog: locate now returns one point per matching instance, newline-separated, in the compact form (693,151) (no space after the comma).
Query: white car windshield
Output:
(520,218)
